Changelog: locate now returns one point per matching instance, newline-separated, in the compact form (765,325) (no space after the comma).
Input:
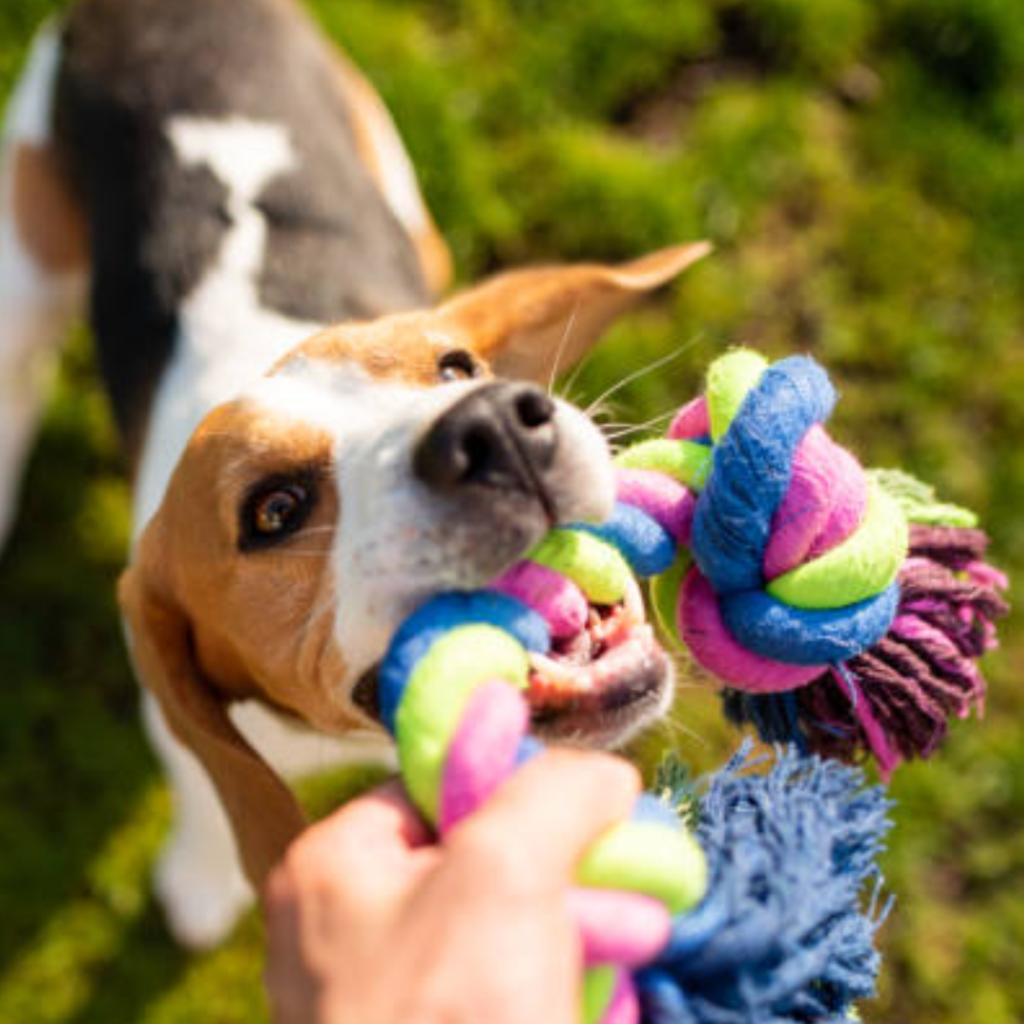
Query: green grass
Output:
(859,166)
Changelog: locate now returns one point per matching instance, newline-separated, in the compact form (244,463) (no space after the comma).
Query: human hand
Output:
(370,922)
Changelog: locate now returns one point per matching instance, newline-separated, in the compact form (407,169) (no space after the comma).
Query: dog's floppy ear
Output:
(531,323)
(263,812)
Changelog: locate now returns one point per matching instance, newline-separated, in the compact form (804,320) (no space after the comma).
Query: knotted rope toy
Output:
(787,570)
(843,609)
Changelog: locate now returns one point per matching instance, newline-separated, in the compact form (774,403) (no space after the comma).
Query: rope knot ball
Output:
(841,608)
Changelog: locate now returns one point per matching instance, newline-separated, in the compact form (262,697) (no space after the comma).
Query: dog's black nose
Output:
(500,435)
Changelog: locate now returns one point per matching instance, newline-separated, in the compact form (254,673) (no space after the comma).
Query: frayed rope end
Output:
(757,948)
(897,698)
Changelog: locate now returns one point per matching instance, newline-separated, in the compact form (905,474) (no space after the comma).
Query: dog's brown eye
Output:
(457,364)
(273,511)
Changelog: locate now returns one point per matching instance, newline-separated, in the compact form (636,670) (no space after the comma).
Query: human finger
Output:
(550,811)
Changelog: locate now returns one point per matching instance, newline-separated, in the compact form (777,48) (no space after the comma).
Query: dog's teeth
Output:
(554,674)
(634,602)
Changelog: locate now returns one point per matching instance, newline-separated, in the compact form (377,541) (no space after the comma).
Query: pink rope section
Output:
(618,929)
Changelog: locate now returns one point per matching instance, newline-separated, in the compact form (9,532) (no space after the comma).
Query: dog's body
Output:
(216,186)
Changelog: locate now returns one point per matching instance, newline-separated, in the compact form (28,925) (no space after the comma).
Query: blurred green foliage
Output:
(859,165)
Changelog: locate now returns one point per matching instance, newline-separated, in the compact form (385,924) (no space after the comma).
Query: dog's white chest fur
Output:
(226,338)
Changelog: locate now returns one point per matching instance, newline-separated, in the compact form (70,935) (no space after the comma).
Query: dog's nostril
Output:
(534,409)
(477,452)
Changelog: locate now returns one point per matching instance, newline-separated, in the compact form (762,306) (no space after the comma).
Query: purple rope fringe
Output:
(896,699)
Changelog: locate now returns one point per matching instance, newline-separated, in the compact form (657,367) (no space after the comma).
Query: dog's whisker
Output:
(618,436)
(562,345)
(318,612)
(656,420)
(311,622)
(644,370)
(637,374)
(566,395)
(616,425)
(620,430)
(567,387)
(615,430)
(674,730)
(322,607)
(603,409)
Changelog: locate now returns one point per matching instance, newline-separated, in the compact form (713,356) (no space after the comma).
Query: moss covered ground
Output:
(859,165)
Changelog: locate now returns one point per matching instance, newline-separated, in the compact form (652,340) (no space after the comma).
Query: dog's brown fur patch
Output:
(50,223)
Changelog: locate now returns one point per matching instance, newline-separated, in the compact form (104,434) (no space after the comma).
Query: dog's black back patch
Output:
(334,249)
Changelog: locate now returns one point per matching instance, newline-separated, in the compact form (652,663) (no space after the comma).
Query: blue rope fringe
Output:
(782,937)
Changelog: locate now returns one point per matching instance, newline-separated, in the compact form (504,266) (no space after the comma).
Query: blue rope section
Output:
(440,615)
(758,949)
(751,469)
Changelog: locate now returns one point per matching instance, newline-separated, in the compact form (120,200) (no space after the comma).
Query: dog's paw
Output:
(202,901)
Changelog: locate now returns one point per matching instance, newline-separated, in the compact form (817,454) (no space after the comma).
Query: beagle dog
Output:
(317,443)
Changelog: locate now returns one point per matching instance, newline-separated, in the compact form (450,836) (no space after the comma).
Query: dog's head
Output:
(377,464)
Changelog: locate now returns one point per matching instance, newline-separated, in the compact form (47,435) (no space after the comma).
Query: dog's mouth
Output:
(599,686)
(593,689)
